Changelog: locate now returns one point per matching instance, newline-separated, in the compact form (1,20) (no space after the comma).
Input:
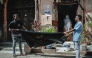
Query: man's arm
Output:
(68,31)
(13,29)
(24,28)
(10,29)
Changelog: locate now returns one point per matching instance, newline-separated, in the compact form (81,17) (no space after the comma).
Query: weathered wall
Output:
(88,19)
(88,5)
(80,11)
(46,6)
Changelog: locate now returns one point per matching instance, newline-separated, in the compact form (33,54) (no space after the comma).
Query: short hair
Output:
(15,15)
(80,17)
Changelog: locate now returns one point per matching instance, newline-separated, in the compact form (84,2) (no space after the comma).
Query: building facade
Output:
(45,12)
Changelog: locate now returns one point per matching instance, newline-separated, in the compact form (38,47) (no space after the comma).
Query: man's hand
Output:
(68,34)
(26,29)
(64,32)
(68,31)
(15,29)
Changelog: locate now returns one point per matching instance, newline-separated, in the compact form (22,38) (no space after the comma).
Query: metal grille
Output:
(20,3)
(24,9)
(70,0)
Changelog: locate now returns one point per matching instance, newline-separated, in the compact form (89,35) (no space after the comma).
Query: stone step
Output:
(45,51)
(17,52)
(9,48)
(9,43)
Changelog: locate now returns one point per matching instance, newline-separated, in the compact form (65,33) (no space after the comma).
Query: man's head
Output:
(15,16)
(78,18)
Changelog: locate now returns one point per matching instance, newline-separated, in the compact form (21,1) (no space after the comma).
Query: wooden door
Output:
(27,18)
(25,10)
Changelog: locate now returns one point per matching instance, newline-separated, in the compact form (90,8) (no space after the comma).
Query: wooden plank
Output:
(54,23)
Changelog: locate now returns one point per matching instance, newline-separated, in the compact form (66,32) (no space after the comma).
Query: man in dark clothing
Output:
(14,26)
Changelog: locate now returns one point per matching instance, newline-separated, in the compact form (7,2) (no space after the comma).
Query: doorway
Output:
(63,10)
(25,10)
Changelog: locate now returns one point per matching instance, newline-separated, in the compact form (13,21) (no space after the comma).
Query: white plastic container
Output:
(84,47)
(66,46)
(60,49)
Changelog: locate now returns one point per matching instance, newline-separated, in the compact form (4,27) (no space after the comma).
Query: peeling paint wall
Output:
(88,18)
(80,11)
(46,12)
(88,5)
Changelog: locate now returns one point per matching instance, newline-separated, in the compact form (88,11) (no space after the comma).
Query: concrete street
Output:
(9,55)
(6,52)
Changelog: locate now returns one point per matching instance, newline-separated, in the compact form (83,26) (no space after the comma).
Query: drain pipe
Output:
(84,11)
(5,21)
